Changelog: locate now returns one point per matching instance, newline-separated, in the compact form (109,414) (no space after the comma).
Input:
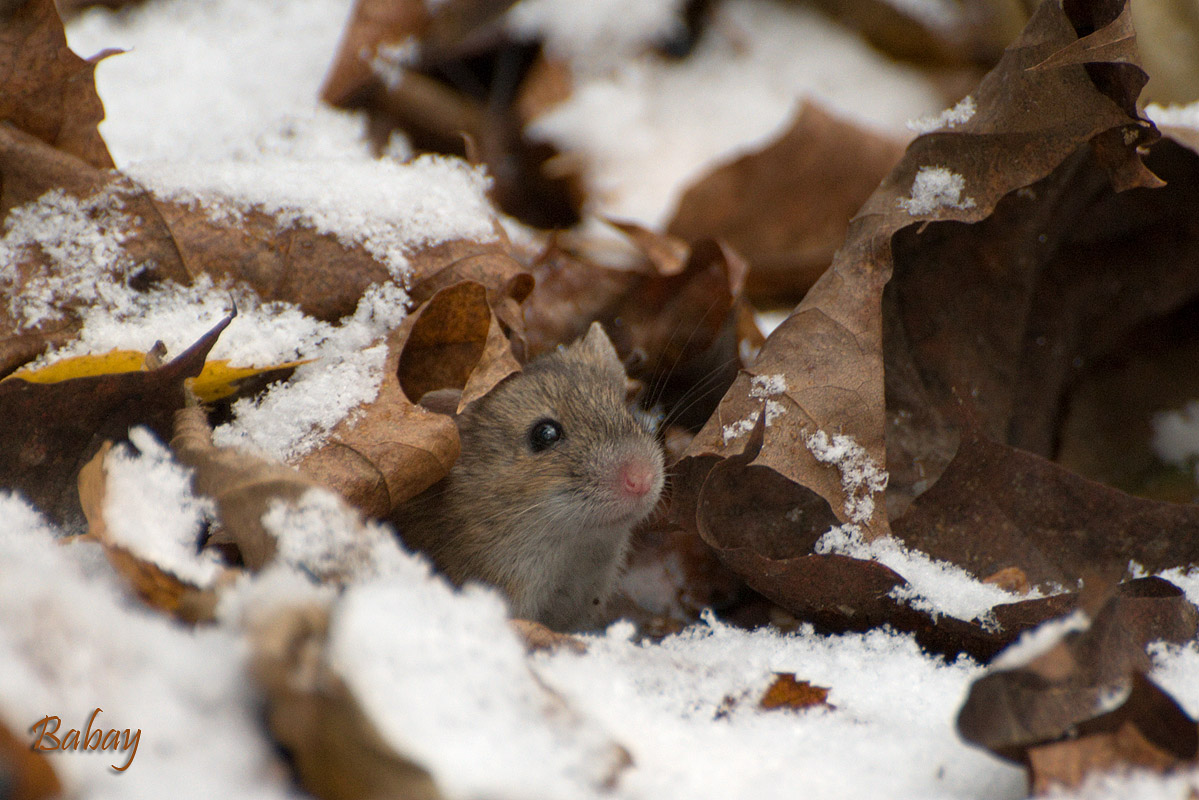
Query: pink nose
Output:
(635,478)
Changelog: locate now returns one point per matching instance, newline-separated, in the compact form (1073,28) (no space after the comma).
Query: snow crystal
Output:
(81,241)
(949,118)
(764,386)
(861,478)
(648,128)
(735,430)
(225,75)
(150,509)
(935,187)
(936,587)
(1176,435)
(71,643)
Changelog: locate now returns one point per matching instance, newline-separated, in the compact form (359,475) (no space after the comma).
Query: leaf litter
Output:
(910,401)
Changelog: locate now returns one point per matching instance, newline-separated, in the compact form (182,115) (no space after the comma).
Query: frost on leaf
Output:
(861,478)
(935,187)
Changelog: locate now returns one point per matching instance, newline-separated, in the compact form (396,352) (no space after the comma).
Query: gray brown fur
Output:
(539,525)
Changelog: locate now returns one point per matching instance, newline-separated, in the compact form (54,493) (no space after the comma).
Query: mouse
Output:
(554,472)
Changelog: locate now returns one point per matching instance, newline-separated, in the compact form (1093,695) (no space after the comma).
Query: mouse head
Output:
(559,440)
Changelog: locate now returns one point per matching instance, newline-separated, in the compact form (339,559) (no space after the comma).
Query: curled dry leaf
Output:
(455,342)
(244,486)
(785,207)
(1149,731)
(63,424)
(390,450)
(398,62)
(1085,704)
(159,588)
(997,256)
(45,89)
(337,752)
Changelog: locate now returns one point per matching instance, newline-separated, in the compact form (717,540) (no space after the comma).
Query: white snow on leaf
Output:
(861,477)
(649,127)
(596,33)
(735,430)
(933,188)
(391,209)
(767,385)
(151,511)
(936,587)
(81,241)
(324,537)
(446,683)
(72,642)
(949,118)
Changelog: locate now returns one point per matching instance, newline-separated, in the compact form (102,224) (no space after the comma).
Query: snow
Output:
(949,118)
(742,427)
(215,105)
(647,129)
(936,587)
(1176,435)
(861,478)
(597,34)
(890,701)
(150,510)
(72,642)
(933,188)
(389,208)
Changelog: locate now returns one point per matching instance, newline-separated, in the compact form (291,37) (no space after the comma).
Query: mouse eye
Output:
(545,434)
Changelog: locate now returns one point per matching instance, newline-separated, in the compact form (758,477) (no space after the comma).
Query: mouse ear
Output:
(597,344)
(442,401)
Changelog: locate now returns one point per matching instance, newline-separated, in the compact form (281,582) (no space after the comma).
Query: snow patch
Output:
(949,118)
(861,478)
(151,511)
(390,209)
(1176,435)
(933,188)
(72,642)
(935,587)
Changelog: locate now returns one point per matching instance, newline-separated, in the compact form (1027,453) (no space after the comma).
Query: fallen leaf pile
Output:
(967,302)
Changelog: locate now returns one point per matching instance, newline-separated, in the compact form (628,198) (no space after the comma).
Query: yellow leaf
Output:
(219,380)
(109,363)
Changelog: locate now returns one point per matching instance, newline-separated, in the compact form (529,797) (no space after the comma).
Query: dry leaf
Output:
(63,424)
(244,486)
(1149,731)
(787,693)
(999,253)
(157,587)
(785,207)
(337,752)
(1076,682)
(46,90)
(390,450)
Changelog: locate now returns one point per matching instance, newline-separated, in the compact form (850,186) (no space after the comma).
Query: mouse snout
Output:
(636,477)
